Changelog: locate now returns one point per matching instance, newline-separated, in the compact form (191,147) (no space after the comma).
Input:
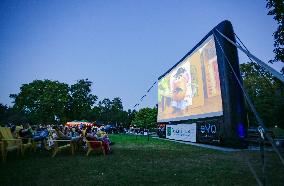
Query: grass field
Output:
(139,162)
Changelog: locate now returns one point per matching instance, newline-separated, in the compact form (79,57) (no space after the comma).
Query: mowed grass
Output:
(140,162)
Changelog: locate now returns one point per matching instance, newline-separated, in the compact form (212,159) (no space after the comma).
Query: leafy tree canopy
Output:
(46,102)
(266,92)
(112,111)
(81,101)
(42,101)
(276,9)
(145,118)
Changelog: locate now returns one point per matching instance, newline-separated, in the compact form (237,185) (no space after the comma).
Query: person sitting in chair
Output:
(26,132)
(92,136)
(60,134)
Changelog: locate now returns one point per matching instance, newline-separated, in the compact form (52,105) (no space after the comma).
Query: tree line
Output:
(53,102)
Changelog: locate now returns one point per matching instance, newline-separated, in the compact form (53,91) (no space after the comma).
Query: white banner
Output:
(183,132)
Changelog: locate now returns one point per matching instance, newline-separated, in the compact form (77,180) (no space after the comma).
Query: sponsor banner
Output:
(183,132)
(208,131)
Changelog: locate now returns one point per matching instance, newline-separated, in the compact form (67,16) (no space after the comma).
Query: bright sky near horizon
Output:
(121,46)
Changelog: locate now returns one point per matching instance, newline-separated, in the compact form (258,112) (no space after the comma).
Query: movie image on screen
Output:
(191,89)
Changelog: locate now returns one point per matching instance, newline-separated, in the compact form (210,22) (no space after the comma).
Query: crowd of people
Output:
(49,133)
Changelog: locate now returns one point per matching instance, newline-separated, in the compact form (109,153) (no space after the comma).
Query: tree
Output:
(94,115)
(112,111)
(15,116)
(276,8)
(116,104)
(146,118)
(81,100)
(266,92)
(42,101)
(104,106)
(130,117)
(116,111)
(3,113)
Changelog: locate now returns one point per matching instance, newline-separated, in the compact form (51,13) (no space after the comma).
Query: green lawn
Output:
(278,132)
(139,162)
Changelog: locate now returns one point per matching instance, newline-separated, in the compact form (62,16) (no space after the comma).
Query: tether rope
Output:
(264,65)
(256,64)
(262,128)
(141,99)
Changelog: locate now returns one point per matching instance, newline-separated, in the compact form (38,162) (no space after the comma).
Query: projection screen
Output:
(191,89)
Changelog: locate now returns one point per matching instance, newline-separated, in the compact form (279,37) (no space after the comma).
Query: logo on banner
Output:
(169,131)
(208,128)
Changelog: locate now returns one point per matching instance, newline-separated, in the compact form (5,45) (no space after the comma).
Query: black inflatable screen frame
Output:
(232,126)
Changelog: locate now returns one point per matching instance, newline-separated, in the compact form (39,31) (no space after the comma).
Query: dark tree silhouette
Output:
(276,9)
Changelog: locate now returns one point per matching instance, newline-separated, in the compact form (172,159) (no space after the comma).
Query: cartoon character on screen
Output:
(181,89)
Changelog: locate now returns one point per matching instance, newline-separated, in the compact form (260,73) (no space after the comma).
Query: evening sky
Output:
(121,46)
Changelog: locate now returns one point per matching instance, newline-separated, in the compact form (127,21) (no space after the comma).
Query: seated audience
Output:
(92,136)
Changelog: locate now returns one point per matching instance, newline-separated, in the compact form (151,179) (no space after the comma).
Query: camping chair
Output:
(9,143)
(57,147)
(30,142)
(17,130)
(57,138)
(26,142)
(93,145)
